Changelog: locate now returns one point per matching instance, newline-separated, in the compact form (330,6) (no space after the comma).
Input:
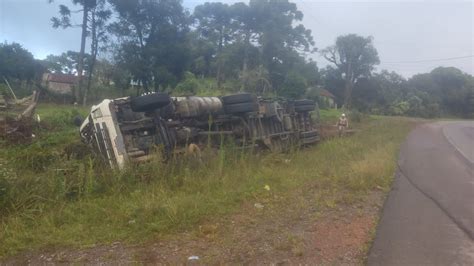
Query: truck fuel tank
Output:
(194,106)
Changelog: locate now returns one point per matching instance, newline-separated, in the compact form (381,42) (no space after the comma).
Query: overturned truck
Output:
(129,129)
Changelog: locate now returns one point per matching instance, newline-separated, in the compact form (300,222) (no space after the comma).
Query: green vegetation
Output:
(329,116)
(55,193)
(353,56)
(445,91)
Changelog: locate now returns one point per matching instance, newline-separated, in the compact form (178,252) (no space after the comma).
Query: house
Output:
(60,83)
(327,97)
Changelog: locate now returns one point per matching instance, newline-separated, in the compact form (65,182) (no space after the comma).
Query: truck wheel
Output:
(241,108)
(305,108)
(239,98)
(78,120)
(304,102)
(149,102)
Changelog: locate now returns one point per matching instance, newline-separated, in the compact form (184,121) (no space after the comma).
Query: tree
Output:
(66,63)
(261,33)
(470,103)
(64,21)
(108,73)
(94,17)
(99,15)
(355,57)
(214,25)
(19,69)
(201,54)
(279,35)
(448,87)
(153,44)
(17,62)
(245,24)
(332,81)
(294,85)
(379,91)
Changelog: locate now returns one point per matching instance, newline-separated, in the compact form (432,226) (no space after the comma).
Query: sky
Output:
(411,36)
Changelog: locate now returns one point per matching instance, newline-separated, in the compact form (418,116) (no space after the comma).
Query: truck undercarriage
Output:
(130,129)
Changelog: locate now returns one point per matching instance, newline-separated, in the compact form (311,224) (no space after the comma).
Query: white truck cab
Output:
(100,129)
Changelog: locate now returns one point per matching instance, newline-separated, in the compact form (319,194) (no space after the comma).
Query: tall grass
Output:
(329,115)
(59,199)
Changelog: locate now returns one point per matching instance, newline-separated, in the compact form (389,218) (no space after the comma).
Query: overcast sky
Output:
(411,37)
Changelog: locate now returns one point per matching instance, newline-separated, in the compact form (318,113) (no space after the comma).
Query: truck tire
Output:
(304,102)
(149,102)
(305,108)
(239,108)
(78,120)
(238,98)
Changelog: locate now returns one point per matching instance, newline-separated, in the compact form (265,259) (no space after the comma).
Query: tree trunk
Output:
(246,51)
(219,59)
(80,64)
(348,93)
(219,73)
(349,85)
(89,81)
(245,63)
(94,50)
(145,85)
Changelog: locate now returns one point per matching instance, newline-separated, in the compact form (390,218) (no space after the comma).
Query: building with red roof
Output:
(60,83)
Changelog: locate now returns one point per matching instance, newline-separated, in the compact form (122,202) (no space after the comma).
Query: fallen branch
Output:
(29,111)
(11,90)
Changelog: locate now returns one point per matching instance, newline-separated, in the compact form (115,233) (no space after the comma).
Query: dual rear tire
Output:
(305,105)
(240,103)
(149,102)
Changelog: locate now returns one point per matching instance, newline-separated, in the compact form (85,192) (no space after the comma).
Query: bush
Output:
(356,117)
(189,86)
(294,86)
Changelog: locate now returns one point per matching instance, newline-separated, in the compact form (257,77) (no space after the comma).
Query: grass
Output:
(51,195)
(329,115)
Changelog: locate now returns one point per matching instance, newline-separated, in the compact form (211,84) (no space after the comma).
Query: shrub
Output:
(189,86)
(356,117)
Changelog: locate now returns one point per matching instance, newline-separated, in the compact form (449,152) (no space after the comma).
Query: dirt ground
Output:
(15,131)
(281,230)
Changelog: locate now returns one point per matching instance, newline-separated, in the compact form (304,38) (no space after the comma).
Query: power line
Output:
(428,60)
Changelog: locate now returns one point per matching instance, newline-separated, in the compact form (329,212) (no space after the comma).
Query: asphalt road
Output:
(428,218)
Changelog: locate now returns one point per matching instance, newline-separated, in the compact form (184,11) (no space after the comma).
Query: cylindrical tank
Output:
(194,106)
